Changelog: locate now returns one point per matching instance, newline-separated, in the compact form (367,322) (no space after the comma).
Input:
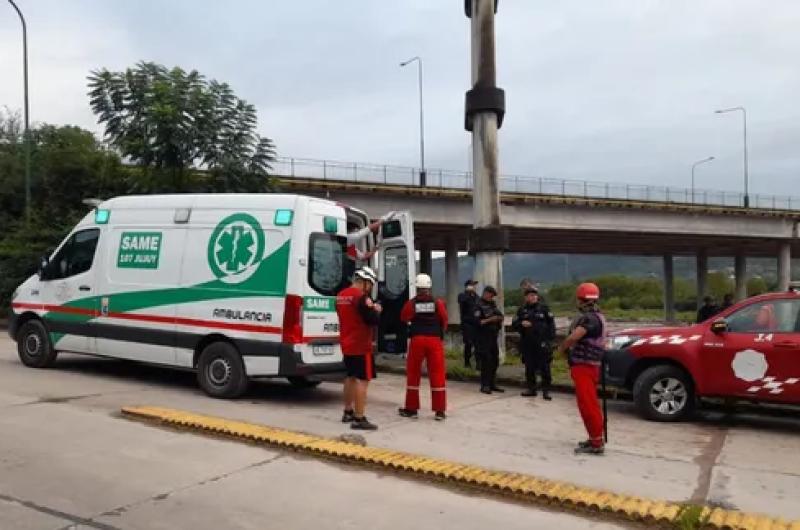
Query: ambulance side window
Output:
(75,256)
(326,263)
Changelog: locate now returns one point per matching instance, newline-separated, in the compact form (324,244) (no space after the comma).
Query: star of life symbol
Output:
(772,385)
(236,248)
(671,339)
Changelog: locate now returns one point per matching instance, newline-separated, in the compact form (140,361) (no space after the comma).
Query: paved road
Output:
(66,456)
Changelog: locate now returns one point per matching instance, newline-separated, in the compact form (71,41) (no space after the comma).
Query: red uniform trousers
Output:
(428,349)
(586,377)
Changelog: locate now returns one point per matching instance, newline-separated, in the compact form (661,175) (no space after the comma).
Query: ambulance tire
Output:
(665,393)
(220,371)
(34,347)
(299,381)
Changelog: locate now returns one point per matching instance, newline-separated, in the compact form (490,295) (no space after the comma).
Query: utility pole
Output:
(484,112)
(27,133)
(422,172)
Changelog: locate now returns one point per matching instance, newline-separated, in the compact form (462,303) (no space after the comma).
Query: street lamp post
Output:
(744,116)
(422,173)
(703,161)
(27,138)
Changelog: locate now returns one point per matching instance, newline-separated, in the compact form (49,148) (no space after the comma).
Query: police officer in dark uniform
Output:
(536,327)
(490,320)
(469,325)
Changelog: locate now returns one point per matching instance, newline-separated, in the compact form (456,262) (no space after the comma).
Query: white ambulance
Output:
(232,286)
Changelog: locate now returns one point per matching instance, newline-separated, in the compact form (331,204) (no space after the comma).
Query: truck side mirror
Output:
(719,326)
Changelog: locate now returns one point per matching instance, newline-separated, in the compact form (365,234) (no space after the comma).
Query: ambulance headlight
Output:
(620,342)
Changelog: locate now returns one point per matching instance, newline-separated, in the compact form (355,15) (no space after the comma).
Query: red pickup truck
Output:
(750,351)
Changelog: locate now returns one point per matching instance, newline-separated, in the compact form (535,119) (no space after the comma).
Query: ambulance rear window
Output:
(326,263)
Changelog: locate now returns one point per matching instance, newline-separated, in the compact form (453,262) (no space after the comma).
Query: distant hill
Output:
(548,269)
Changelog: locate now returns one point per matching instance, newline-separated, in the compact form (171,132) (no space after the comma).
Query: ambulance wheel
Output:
(33,345)
(220,371)
(303,382)
(664,393)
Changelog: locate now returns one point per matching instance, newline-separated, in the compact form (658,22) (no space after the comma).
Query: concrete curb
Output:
(522,487)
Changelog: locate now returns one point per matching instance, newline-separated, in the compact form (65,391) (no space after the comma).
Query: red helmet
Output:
(588,291)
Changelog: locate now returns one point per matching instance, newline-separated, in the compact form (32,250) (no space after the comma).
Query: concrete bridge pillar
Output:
(425,259)
(451,280)
(702,276)
(669,289)
(784,266)
(740,271)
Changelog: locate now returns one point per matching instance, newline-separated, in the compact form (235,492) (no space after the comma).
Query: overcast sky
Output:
(612,90)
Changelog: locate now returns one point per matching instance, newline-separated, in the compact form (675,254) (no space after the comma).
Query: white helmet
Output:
(365,273)
(424,281)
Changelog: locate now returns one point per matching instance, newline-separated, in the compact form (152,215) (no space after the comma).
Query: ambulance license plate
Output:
(322,349)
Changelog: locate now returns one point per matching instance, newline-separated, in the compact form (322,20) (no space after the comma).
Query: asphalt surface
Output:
(68,460)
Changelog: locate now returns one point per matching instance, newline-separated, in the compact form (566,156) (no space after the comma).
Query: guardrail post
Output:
(773,203)
(291,161)
(384,174)
(585,189)
(324,170)
(355,171)
(563,188)
(413,173)
(607,197)
(516,184)
(441,179)
(540,185)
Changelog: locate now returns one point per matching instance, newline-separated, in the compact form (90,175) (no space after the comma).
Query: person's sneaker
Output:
(586,448)
(546,396)
(498,389)
(348,416)
(363,424)
(440,416)
(486,390)
(528,393)
(407,413)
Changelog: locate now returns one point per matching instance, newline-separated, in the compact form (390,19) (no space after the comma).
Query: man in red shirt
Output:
(428,319)
(358,315)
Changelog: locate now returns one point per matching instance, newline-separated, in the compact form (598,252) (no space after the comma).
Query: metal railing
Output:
(443,178)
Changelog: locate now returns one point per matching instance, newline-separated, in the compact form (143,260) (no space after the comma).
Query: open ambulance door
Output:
(396,262)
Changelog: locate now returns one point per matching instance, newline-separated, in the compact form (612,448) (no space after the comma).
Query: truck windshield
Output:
(326,270)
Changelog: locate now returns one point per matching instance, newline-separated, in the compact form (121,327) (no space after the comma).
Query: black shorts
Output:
(360,366)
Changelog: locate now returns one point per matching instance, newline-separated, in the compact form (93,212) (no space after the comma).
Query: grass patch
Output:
(691,517)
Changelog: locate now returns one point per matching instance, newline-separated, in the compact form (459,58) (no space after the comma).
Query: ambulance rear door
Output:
(396,262)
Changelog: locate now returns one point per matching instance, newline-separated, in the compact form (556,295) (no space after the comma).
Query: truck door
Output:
(758,357)
(396,264)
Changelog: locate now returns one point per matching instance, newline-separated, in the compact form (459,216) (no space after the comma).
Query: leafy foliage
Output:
(172,122)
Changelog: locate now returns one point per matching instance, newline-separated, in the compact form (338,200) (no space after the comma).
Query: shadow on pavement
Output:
(261,390)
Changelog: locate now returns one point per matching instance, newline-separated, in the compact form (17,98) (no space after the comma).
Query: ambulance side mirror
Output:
(719,326)
(44,264)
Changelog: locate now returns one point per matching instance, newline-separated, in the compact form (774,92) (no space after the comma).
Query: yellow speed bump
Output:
(525,487)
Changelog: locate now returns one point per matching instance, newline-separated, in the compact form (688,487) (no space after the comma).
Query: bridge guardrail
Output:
(442,178)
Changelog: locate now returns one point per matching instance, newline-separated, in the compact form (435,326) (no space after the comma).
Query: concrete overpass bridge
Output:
(548,216)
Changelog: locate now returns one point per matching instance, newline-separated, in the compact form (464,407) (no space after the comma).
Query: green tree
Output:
(173,123)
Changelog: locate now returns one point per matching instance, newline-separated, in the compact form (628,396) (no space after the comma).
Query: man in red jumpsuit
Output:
(586,347)
(428,320)
(358,315)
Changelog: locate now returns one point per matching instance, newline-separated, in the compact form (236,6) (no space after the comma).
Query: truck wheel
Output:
(220,371)
(303,382)
(33,345)
(664,393)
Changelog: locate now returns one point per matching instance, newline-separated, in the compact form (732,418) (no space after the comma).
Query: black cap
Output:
(490,289)
(470,282)
(531,290)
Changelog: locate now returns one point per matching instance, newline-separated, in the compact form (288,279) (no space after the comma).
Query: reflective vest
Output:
(589,350)
(426,319)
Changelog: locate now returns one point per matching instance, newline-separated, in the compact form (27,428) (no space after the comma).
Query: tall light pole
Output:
(703,161)
(422,174)
(746,186)
(27,112)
